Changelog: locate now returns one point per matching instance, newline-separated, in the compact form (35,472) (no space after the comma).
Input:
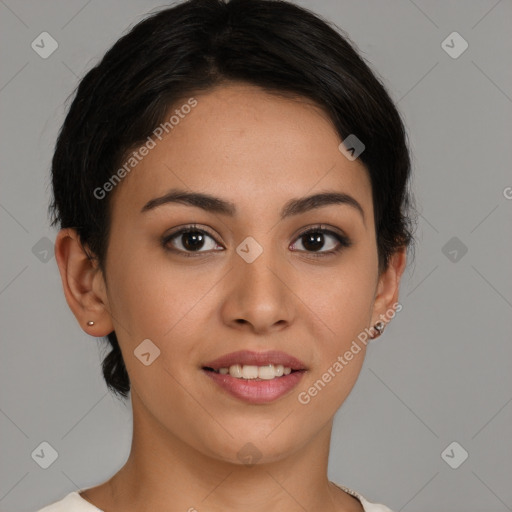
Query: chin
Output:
(253,449)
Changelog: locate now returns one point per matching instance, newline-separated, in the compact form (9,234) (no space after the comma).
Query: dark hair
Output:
(193,47)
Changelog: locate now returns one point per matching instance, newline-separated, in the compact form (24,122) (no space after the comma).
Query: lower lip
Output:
(256,391)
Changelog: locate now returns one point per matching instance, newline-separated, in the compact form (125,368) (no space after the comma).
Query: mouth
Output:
(256,377)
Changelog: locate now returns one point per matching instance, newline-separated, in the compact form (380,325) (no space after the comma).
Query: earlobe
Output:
(388,288)
(83,284)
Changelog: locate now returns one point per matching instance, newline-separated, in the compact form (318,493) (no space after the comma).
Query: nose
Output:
(259,296)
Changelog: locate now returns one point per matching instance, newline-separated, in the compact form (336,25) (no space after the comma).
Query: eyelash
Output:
(343,241)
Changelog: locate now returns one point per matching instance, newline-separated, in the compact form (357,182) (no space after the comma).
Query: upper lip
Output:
(246,357)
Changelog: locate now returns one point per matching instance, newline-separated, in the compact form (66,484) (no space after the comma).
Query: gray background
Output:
(441,371)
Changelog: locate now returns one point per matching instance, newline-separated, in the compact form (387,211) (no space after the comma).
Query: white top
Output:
(73,502)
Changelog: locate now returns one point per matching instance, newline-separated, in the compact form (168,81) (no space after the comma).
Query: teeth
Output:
(235,370)
(266,372)
(250,372)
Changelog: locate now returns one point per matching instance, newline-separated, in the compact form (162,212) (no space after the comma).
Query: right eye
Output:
(189,240)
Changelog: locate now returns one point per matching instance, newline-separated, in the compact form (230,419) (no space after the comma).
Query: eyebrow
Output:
(214,204)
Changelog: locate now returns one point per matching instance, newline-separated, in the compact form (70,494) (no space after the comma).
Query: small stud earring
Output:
(90,322)
(379,327)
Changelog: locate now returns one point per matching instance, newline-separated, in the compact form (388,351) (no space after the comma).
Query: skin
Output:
(257,150)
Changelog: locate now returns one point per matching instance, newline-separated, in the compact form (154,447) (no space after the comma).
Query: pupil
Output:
(313,241)
(192,240)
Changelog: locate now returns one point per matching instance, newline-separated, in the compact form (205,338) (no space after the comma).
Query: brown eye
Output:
(319,240)
(190,240)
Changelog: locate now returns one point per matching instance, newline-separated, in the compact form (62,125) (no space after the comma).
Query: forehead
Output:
(246,145)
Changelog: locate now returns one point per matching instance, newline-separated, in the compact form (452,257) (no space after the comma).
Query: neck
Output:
(163,472)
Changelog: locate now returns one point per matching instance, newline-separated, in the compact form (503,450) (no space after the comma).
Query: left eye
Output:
(315,239)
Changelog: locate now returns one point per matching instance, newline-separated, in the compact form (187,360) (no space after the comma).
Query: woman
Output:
(231,186)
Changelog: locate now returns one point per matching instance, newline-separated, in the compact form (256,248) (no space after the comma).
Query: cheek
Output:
(340,311)
(169,305)
(151,296)
(342,299)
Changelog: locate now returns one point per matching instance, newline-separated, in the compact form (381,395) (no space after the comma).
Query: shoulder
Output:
(368,506)
(72,502)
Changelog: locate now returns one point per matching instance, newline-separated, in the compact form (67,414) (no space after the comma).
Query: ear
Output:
(83,283)
(388,287)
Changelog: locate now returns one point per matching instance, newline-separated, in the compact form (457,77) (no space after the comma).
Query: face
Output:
(239,274)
